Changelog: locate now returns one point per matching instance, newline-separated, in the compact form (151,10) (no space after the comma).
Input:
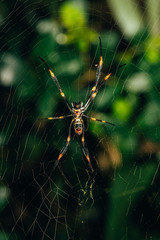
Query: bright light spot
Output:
(61,38)
(4,194)
(11,68)
(73,66)
(128,16)
(139,82)
(7,75)
(46,26)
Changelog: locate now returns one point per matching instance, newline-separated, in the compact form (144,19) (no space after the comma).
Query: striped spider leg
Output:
(54,118)
(98,120)
(98,84)
(85,149)
(57,83)
(64,149)
(94,92)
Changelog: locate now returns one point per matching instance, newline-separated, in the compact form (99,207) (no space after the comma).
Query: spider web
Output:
(120,200)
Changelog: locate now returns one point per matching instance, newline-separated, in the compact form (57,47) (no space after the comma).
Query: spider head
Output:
(77,105)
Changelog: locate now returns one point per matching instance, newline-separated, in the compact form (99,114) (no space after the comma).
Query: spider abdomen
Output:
(78,126)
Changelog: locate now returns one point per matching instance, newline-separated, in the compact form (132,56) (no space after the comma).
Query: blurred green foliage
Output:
(73,17)
(125,198)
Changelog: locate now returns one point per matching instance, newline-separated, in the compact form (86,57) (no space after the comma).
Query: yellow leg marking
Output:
(101,61)
(94,94)
(94,119)
(62,94)
(107,76)
(103,121)
(93,89)
(52,74)
(59,156)
(68,139)
(88,158)
(82,139)
(51,118)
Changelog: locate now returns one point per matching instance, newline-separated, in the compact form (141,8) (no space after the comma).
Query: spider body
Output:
(78,125)
(77,110)
(77,116)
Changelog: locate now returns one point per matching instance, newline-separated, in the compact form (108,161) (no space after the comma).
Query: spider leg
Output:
(64,149)
(96,87)
(57,83)
(85,150)
(98,74)
(94,92)
(106,77)
(54,118)
(98,120)
(99,68)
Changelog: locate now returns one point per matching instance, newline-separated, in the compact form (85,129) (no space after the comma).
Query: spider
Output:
(77,109)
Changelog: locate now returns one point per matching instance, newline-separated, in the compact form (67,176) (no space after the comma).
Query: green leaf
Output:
(122,109)
(72,15)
